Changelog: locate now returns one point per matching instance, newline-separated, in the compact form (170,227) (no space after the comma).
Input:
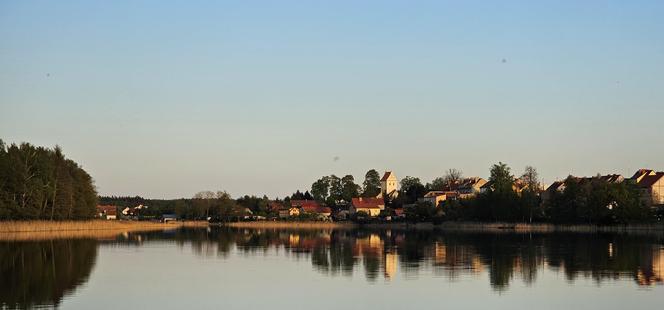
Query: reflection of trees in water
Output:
(504,257)
(42,272)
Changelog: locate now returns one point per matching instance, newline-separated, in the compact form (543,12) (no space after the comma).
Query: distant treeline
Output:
(218,205)
(40,183)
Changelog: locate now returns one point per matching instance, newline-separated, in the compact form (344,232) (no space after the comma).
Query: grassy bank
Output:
(292,225)
(460,226)
(99,229)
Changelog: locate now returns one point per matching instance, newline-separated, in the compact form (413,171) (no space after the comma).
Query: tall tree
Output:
(321,188)
(411,189)
(349,188)
(501,178)
(437,184)
(336,189)
(530,201)
(452,176)
(371,184)
(531,178)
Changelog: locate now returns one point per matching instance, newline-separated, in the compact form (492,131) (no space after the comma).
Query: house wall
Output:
(389,185)
(657,192)
(370,211)
(435,200)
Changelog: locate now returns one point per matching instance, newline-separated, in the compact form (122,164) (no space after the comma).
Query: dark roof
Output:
(555,185)
(438,193)
(650,180)
(386,175)
(641,172)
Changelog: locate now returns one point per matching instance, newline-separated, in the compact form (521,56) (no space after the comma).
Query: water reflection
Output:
(504,257)
(43,272)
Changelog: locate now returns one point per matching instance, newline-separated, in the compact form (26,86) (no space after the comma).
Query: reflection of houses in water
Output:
(391,261)
(652,269)
(658,265)
(371,245)
(456,258)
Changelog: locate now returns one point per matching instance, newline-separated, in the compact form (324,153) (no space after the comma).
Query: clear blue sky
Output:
(166,98)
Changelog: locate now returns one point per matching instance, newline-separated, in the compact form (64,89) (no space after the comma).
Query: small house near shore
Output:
(370,206)
(107,212)
(436,197)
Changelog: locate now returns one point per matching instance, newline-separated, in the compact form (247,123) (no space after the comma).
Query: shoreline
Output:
(96,229)
(498,227)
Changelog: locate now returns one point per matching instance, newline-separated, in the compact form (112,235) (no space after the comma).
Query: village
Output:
(383,206)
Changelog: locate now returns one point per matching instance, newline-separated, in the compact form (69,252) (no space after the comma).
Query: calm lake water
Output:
(335,269)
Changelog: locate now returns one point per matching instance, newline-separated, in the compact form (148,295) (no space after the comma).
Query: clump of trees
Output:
(333,190)
(596,201)
(40,183)
(583,201)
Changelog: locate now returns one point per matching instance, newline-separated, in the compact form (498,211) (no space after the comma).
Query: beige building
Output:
(651,185)
(466,188)
(370,206)
(436,197)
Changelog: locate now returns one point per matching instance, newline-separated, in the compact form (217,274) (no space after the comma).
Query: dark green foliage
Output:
(411,190)
(420,212)
(320,189)
(595,201)
(349,188)
(40,183)
(371,184)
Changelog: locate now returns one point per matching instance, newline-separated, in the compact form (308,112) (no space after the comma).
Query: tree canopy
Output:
(371,184)
(40,183)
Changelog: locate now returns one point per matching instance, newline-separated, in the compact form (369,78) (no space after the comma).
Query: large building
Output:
(465,188)
(651,185)
(388,185)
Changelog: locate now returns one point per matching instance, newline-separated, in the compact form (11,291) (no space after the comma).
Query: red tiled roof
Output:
(310,206)
(386,175)
(105,208)
(367,203)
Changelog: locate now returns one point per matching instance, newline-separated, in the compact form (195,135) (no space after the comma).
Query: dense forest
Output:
(40,183)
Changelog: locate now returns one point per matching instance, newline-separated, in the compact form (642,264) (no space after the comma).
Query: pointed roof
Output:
(387,175)
(641,173)
(651,179)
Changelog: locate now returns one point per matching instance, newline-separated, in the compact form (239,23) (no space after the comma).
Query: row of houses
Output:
(649,182)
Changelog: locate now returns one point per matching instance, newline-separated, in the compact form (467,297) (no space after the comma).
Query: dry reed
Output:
(97,229)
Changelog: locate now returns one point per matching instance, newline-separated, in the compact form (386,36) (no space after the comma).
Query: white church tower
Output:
(388,185)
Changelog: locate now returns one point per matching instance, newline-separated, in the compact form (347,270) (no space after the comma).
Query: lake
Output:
(216,267)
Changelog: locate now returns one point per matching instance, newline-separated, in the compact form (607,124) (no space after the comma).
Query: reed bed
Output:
(98,229)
